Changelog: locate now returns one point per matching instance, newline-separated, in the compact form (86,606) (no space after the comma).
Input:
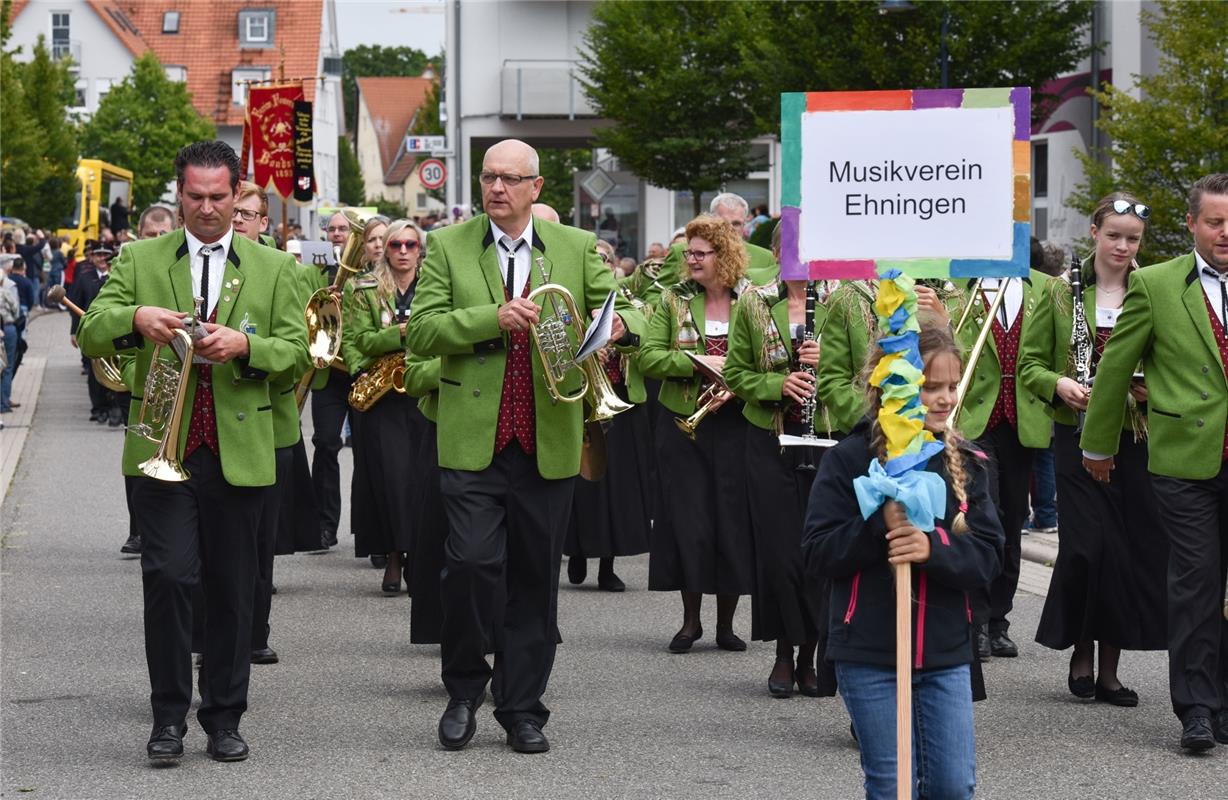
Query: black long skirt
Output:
(612,516)
(430,532)
(362,498)
(298,527)
(1109,580)
(702,541)
(386,441)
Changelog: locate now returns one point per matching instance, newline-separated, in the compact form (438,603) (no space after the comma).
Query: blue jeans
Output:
(1044,489)
(944,750)
(6,378)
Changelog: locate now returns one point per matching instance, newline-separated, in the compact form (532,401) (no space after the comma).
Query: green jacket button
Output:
(1204,369)
(477,392)
(1204,395)
(481,359)
(981,401)
(240,416)
(1199,423)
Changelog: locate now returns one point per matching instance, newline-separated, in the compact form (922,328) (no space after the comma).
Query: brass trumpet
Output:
(717,392)
(106,370)
(162,407)
(323,310)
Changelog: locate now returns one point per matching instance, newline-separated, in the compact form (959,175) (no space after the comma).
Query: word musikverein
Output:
(857,205)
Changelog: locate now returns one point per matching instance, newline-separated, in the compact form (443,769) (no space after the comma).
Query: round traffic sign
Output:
(432,173)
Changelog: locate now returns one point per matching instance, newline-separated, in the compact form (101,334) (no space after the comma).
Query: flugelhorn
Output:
(558,355)
(106,370)
(162,407)
(323,312)
(717,392)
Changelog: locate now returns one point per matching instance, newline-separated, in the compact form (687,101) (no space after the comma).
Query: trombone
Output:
(106,370)
(162,407)
(717,392)
(965,380)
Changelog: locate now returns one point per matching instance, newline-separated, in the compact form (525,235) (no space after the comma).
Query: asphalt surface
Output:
(351,709)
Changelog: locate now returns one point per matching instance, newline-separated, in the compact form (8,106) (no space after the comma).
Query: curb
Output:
(1040,548)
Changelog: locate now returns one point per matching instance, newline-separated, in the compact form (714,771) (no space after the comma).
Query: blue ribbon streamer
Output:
(923,494)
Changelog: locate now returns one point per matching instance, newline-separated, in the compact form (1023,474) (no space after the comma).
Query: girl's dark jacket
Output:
(852,552)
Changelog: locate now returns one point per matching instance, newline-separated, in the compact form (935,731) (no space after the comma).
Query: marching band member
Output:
(773,355)
(203,529)
(1108,582)
(507,453)
(431,526)
(701,543)
(1174,319)
(377,309)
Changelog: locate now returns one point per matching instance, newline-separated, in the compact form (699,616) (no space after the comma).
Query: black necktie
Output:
(511,266)
(204,279)
(1222,277)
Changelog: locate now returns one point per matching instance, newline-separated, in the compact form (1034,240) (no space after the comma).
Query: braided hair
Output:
(935,338)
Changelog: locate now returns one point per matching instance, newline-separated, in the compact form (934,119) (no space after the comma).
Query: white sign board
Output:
(940,187)
(425,144)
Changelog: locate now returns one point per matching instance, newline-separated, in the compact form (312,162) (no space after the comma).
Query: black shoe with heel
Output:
(681,643)
(728,640)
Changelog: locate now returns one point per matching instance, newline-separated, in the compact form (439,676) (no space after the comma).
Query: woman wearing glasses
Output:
(701,542)
(376,308)
(1109,580)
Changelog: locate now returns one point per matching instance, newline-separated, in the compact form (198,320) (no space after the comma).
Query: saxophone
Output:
(1080,337)
(386,374)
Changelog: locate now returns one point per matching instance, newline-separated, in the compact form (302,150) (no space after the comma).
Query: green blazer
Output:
(287,429)
(761,271)
(846,344)
(743,370)
(455,316)
(1034,425)
(659,355)
(1164,322)
(422,381)
(369,327)
(259,296)
(1044,353)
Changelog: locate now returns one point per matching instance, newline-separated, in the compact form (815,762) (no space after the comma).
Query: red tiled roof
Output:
(392,103)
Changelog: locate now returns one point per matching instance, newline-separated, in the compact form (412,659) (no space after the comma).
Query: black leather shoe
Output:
(227,745)
(781,689)
(1219,727)
(166,742)
(681,643)
(526,737)
(609,582)
(1084,686)
(1001,646)
(1121,696)
(265,655)
(807,681)
(981,643)
(132,546)
(459,722)
(577,569)
(1196,734)
(328,538)
(728,640)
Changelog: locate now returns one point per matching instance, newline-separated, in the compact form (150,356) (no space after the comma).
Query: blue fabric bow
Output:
(923,494)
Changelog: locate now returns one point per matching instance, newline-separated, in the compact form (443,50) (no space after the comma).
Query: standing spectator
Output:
(25,298)
(760,216)
(10,312)
(58,262)
(119,216)
(30,247)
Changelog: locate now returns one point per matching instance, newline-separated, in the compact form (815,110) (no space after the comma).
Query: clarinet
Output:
(811,405)
(1080,339)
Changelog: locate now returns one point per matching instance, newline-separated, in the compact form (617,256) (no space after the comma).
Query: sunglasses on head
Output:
(1126,207)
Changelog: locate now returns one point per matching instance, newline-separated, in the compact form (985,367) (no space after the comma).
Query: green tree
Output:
(1176,134)
(48,91)
(678,82)
(141,124)
(367,60)
(21,151)
(558,167)
(349,178)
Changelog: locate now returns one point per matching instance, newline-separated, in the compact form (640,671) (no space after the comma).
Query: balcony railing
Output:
(70,49)
(541,88)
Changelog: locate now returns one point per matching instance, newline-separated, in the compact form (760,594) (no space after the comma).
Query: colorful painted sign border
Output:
(794,104)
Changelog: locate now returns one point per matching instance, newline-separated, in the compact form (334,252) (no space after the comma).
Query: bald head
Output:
(543,211)
(510,184)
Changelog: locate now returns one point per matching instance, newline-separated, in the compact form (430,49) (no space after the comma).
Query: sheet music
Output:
(598,334)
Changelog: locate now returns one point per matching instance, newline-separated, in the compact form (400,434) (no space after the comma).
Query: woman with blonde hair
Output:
(701,541)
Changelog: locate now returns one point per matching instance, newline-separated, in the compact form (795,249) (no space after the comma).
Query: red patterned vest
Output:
(202,428)
(1008,354)
(1221,339)
(517,412)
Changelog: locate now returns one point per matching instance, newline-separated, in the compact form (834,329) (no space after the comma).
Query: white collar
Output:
(526,234)
(195,244)
(1202,264)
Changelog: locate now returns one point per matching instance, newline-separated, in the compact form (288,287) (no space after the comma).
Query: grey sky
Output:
(417,23)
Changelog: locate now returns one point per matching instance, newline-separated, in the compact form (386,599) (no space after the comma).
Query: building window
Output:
(421,199)
(238,90)
(1040,168)
(256,28)
(61,46)
(79,91)
(102,86)
(1040,227)
(170,22)
(176,72)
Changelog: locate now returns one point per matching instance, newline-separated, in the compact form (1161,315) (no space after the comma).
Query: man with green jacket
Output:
(508,453)
(1174,319)
(203,529)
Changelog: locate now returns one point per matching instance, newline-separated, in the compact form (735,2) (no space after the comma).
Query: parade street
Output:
(351,710)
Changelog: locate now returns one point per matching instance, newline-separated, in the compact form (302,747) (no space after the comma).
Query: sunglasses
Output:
(1126,207)
(409,245)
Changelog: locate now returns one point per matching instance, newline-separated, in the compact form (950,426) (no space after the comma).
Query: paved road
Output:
(352,708)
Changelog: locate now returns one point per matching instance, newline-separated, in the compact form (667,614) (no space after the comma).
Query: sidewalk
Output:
(1040,548)
(41,331)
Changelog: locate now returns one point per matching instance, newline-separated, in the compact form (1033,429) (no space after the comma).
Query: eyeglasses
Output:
(697,255)
(405,244)
(342,229)
(605,258)
(489,178)
(247,214)
(1126,207)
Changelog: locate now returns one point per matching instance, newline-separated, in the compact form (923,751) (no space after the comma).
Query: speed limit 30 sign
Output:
(432,173)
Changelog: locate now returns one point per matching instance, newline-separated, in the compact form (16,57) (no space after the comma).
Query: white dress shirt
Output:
(1211,286)
(505,244)
(217,266)
(1010,304)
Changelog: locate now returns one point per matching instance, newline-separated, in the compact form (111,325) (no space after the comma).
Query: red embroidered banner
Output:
(270,110)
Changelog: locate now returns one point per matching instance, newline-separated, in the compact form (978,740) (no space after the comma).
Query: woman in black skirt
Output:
(773,355)
(1108,584)
(611,517)
(376,307)
(701,542)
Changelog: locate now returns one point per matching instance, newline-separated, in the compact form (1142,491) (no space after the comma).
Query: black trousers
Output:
(1010,473)
(266,547)
(329,406)
(1195,516)
(505,523)
(202,530)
